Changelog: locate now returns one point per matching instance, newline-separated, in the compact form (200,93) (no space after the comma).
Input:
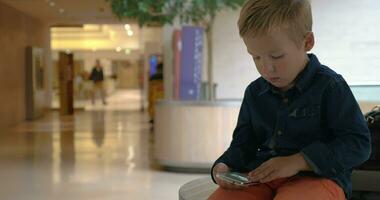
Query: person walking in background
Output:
(97,76)
(156,89)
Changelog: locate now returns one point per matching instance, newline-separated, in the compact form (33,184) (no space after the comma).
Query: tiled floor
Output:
(105,153)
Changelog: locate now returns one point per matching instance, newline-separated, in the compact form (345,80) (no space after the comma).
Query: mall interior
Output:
(166,106)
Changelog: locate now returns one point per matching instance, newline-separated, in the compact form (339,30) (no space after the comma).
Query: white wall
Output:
(347,39)
(233,68)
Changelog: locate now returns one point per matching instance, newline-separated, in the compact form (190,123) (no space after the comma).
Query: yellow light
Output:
(112,35)
(91,27)
(130,33)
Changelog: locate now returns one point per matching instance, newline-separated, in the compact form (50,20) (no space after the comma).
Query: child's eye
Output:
(278,57)
(255,57)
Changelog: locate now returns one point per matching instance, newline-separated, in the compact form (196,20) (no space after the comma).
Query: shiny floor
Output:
(102,153)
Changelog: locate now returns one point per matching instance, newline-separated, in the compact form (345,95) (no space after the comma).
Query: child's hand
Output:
(279,167)
(222,168)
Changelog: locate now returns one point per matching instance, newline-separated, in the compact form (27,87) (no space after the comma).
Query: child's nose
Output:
(269,66)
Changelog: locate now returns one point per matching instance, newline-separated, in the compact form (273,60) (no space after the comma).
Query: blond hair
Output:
(259,17)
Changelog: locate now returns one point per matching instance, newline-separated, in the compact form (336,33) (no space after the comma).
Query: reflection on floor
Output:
(118,100)
(101,154)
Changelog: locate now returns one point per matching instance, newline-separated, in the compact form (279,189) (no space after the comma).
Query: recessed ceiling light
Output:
(52,4)
(61,10)
(130,33)
(118,49)
(127,27)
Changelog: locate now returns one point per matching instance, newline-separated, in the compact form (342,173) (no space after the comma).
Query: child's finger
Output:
(264,173)
(260,169)
(271,176)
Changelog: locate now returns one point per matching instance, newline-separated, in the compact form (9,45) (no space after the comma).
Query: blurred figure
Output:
(156,89)
(97,76)
(78,86)
(98,127)
(87,85)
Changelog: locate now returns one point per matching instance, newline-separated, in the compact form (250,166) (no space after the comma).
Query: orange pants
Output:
(294,188)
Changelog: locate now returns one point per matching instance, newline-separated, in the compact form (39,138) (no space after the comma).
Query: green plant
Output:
(160,12)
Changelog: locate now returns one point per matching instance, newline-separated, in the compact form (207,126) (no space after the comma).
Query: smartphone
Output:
(236,178)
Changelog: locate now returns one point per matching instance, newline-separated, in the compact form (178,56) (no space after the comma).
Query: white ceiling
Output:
(67,12)
(95,37)
(86,25)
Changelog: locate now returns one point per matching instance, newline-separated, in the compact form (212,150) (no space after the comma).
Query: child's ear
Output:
(309,41)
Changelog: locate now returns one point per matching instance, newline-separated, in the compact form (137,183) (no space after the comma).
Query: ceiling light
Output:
(118,49)
(130,33)
(127,27)
(127,51)
(61,10)
(52,4)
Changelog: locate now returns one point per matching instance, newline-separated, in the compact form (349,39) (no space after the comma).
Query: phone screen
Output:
(236,178)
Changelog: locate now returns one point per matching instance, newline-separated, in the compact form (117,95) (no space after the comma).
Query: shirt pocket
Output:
(304,124)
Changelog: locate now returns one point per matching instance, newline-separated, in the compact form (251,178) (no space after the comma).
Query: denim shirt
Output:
(318,117)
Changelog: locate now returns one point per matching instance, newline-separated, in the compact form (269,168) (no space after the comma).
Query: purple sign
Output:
(191,63)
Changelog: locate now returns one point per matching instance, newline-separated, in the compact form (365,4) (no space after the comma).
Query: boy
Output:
(300,131)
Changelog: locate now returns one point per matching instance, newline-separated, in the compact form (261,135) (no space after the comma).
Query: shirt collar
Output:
(265,86)
(303,80)
(305,77)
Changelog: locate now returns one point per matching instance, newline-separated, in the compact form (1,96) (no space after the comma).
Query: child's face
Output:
(277,58)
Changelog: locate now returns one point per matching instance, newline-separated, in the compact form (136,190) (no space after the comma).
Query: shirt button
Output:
(279,132)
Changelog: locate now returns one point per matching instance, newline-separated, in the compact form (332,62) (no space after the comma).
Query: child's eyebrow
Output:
(275,51)
(270,52)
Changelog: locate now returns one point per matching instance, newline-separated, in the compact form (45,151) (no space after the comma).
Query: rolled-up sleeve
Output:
(348,142)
